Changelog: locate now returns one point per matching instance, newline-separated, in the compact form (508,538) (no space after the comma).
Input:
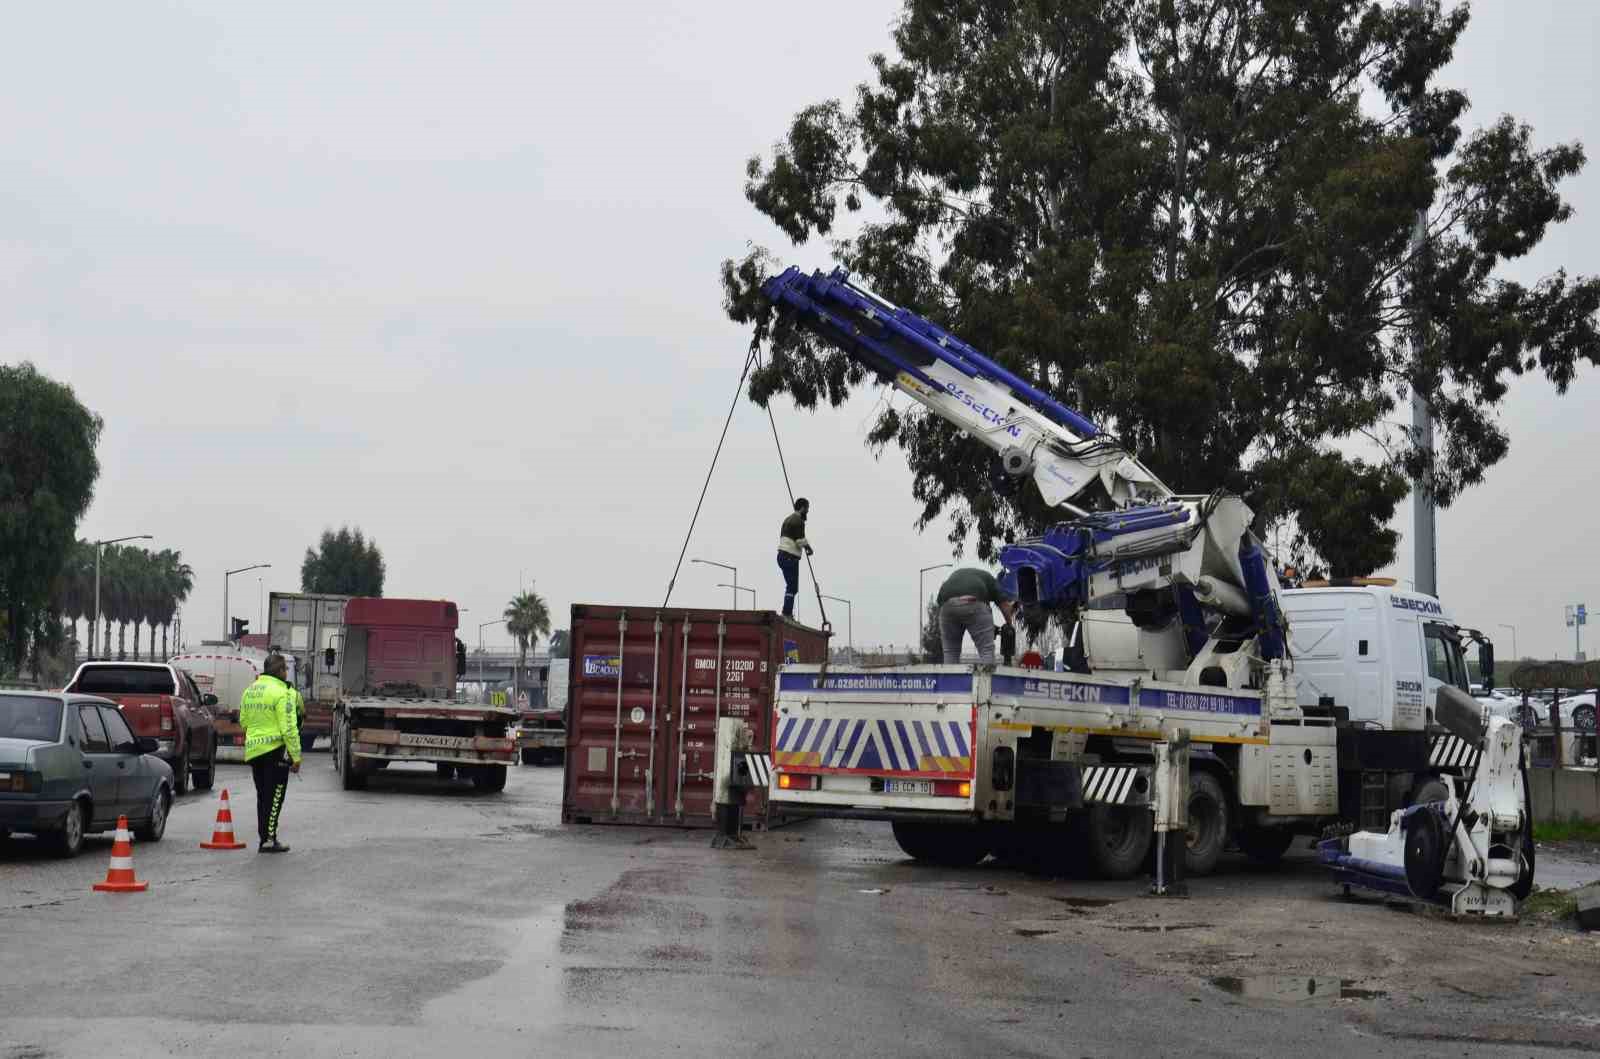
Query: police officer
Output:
(267,712)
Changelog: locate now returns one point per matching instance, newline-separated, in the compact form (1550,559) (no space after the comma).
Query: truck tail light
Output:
(788,781)
(166,718)
(953,788)
(22,782)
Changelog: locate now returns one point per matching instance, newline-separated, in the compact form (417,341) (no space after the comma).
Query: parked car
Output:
(160,701)
(70,765)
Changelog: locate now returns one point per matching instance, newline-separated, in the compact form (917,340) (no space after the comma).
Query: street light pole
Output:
(97,546)
(922,603)
(736,590)
(485,625)
(850,622)
(725,566)
(1513,628)
(227,629)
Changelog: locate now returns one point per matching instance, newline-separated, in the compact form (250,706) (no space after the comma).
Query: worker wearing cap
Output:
(964,601)
(791,544)
(267,713)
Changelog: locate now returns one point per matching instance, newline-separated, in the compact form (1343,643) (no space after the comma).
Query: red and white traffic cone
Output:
(222,834)
(119,877)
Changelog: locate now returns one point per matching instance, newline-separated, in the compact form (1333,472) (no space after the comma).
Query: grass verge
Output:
(1549,904)
(1566,831)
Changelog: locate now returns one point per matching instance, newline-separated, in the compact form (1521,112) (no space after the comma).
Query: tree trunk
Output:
(105,640)
(136,640)
(122,641)
(164,627)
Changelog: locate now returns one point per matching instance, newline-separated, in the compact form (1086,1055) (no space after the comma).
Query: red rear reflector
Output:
(788,781)
(953,788)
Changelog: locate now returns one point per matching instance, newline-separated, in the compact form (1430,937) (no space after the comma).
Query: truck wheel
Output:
(180,770)
(1431,789)
(947,845)
(530,756)
(1265,845)
(1119,839)
(349,778)
(1208,824)
(490,778)
(203,778)
(444,770)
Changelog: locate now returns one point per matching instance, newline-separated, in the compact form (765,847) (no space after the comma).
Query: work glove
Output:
(294,767)
(810,550)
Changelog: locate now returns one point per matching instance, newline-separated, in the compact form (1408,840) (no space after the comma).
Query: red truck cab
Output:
(162,702)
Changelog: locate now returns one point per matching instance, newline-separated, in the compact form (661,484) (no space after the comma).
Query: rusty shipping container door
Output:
(650,760)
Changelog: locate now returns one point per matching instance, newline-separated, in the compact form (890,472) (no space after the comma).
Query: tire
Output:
(1119,839)
(947,845)
(307,741)
(530,756)
(156,826)
(444,770)
(1265,845)
(204,778)
(349,779)
(180,770)
(68,841)
(1425,853)
(1209,824)
(490,778)
(1583,718)
(1431,789)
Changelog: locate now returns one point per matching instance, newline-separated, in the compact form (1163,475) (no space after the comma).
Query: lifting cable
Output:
(749,359)
(755,351)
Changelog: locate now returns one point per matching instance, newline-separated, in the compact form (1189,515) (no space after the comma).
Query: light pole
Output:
(485,625)
(850,622)
(922,603)
(1513,628)
(725,566)
(227,628)
(736,590)
(97,546)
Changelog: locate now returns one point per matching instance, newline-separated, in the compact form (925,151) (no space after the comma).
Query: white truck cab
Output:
(1380,652)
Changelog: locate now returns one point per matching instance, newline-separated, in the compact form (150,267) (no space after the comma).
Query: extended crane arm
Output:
(1035,435)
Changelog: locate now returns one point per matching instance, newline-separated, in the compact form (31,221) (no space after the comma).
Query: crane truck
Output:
(1309,710)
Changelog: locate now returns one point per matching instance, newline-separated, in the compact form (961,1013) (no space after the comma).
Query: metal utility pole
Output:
(850,622)
(98,545)
(1425,550)
(736,590)
(725,566)
(1577,618)
(1513,628)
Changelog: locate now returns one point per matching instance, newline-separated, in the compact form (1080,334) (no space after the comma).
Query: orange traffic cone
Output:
(222,833)
(119,877)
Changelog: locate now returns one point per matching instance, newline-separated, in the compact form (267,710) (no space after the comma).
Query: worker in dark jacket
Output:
(791,544)
(964,601)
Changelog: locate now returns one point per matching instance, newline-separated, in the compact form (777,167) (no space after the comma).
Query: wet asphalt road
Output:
(420,917)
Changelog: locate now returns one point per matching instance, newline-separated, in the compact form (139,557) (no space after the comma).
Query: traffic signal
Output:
(241,627)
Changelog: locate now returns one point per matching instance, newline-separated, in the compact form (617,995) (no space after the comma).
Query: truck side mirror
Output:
(1486,663)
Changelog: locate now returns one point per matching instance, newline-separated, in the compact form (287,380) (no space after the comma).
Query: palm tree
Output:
(177,579)
(527,618)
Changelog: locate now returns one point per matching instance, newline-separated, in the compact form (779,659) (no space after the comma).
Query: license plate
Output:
(908,786)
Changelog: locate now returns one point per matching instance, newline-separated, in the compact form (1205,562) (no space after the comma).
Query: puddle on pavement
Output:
(528,985)
(1030,932)
(1297,988)
(1156,928)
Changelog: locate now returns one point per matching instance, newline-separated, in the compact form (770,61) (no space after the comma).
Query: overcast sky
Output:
(448,272)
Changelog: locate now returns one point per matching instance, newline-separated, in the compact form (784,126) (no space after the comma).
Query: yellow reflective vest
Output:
(268,716)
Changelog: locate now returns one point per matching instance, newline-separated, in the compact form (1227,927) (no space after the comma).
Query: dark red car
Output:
(161,702)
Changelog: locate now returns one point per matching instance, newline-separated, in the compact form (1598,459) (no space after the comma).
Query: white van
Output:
(225,670)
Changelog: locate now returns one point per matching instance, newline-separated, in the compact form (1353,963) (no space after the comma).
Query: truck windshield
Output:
(31,717)
(1445,662)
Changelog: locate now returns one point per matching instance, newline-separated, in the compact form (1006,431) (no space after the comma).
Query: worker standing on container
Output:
(791,542)
(964,601)
(268,715)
